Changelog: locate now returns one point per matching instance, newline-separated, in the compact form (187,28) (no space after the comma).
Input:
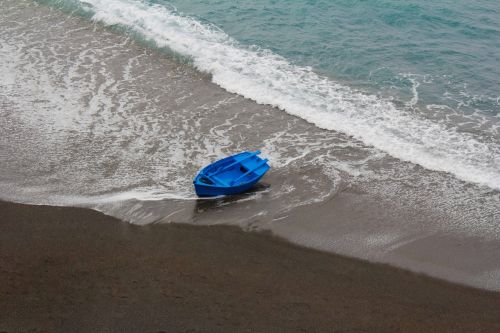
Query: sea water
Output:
(419,81)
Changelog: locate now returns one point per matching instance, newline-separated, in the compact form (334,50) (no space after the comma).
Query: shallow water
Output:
(91,116)
(452,129)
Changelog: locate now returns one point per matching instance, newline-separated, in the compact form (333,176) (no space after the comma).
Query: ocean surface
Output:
(418,81)
(381,119)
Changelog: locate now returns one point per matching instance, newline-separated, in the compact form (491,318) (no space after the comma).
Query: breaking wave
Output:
(268,78)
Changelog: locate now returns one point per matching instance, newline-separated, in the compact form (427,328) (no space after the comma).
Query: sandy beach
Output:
(77,270)
(379,214)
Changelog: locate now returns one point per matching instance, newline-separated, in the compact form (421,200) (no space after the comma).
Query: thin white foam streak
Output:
(39,196)
(267,78)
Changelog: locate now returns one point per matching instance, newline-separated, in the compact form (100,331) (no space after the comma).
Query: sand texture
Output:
(77,270)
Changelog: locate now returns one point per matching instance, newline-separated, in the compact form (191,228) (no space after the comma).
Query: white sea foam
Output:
(267,78)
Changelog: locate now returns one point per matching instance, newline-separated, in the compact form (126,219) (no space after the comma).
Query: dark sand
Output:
(77,270)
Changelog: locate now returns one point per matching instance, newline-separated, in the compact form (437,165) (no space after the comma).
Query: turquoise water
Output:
(450,49)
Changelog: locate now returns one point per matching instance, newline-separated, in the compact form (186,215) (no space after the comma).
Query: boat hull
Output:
(231,175)
(213,191)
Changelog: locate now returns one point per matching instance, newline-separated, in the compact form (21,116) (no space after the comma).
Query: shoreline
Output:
(75,269)
(123,128)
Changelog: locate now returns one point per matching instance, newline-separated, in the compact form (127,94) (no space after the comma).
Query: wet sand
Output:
(77,270)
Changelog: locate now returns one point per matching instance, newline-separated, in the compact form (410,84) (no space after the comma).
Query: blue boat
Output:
(230,175)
